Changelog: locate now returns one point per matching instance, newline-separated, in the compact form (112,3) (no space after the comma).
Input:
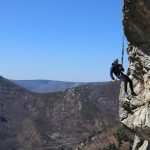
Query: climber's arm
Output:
(111,73)
(121,68)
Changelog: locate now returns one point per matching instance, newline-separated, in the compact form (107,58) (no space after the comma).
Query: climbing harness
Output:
(122,51)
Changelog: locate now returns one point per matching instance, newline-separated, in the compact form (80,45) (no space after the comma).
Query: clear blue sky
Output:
(69,40)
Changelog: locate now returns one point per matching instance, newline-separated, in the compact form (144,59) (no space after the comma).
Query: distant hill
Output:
(48,86)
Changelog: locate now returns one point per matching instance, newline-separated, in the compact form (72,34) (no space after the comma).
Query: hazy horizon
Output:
(57,80)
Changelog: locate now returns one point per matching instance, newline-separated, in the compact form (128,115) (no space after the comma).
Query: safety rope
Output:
(122,39)
(122,58)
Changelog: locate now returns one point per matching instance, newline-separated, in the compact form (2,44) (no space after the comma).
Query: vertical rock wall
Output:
(135,111)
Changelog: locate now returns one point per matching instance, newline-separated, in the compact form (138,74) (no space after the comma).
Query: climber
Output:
(118,70)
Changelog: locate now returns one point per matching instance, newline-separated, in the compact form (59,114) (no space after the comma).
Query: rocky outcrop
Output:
(136,21)
(135,111)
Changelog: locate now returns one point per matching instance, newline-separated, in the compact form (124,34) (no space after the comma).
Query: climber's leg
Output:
(127,79)
(124,79)
(125,86)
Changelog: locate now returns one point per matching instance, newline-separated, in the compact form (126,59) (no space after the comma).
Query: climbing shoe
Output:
(133,94)
(126,94)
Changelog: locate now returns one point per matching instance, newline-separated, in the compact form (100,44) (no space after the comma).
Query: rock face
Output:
(135,111)
(136,20)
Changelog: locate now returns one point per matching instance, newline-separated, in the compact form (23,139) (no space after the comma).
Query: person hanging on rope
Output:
(118,70)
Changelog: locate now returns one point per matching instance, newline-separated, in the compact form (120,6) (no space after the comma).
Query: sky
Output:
(65,40)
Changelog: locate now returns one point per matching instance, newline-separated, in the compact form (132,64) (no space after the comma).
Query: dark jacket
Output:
(116,69)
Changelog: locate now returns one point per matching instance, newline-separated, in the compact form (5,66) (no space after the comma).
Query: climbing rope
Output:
(122,58)
(122,39)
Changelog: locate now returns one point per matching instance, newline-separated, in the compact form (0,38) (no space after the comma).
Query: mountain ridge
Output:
(49,86)
(31,120)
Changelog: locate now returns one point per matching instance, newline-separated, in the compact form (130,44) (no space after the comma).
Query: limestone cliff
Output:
(135,111)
